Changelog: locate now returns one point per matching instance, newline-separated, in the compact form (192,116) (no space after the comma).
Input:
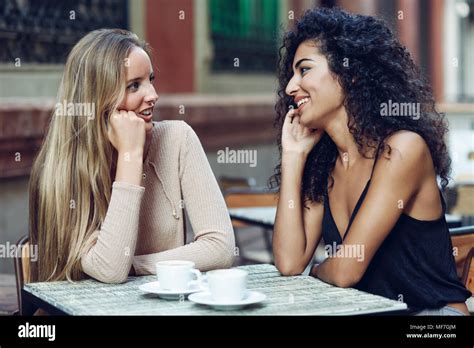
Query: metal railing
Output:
(45,31)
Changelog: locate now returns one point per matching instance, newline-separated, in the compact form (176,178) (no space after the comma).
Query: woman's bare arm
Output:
(297,229)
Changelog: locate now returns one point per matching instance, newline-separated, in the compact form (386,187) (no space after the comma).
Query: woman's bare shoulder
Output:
(406,148)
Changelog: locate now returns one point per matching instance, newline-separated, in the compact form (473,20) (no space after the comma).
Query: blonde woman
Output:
(109,188)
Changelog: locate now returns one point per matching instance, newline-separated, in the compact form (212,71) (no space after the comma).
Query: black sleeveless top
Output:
(414,264)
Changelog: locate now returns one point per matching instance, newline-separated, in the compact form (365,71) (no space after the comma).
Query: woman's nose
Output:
(152,96)
(291,87)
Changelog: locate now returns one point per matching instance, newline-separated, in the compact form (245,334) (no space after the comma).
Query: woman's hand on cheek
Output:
(127,132)
(296,138)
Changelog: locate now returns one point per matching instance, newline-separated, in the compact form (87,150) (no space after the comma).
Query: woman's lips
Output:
(146,118)
(303,105)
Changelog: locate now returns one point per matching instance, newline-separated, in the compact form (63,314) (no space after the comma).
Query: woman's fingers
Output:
(295,136)
(289,117)
(293,124)
(126,131)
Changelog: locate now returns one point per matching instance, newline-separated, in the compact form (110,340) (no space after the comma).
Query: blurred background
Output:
(216,70)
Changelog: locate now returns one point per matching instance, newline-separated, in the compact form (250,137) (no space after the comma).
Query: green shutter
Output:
(245,29)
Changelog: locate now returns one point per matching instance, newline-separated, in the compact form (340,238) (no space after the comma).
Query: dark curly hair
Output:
(380,69)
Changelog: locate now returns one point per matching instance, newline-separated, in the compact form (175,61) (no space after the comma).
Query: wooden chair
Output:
(226,183)
(462,239)
(468,272)
(23,275)
(251,197)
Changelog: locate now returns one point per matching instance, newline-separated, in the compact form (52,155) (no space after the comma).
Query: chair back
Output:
(462,239)
(22,269)
(249,197)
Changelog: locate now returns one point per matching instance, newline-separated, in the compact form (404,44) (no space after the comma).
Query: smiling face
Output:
(314,89)
(140,95)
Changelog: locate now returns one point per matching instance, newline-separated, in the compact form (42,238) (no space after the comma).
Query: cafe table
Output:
(265,216)
(295,295)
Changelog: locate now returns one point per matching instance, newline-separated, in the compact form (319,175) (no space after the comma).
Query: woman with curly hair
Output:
(361,148)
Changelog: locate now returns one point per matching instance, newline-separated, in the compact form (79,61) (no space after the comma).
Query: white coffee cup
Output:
(227,285)
(177,275)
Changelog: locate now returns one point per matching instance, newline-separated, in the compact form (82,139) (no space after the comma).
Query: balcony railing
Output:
(45,31)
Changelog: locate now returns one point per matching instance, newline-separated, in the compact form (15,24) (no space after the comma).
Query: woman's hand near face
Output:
(296,138)
(297,230)
(127,132)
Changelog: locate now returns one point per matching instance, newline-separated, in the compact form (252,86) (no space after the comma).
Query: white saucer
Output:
(205,298)
(154,288)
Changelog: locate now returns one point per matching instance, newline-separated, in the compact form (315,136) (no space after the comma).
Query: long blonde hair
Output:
(71,179)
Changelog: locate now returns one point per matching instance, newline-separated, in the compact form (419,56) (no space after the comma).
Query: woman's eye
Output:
(133,86)
(303,70)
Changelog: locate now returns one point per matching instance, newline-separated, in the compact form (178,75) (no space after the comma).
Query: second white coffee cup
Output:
(177,275)
(227,285)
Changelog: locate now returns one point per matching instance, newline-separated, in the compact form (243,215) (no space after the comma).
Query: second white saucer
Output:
(205,298)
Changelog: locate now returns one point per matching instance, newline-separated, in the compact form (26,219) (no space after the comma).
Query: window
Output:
(244,35)
(458,48)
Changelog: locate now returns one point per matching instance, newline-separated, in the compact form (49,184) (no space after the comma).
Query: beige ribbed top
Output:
(145,225)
